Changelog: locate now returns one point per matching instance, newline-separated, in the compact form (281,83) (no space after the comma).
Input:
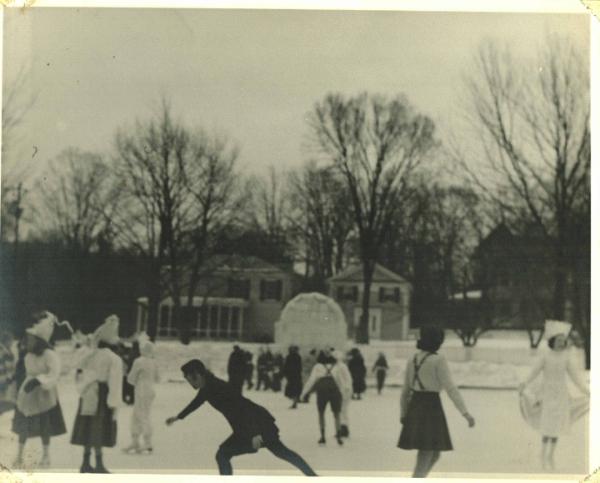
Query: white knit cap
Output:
(109,331)
(556,327)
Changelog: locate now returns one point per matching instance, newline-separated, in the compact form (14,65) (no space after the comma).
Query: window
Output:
(223,322)
(389,294)
(234,323)
(214,321)
(347,293)
(166,322)
(270,289)
(239,288)
(203,321)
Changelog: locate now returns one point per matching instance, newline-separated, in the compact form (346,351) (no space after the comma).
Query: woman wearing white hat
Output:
(551,410)
(99,383)
(38,412)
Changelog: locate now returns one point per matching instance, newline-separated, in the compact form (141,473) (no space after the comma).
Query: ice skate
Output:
(132,449)
(322,441)
(338,438)
(86,468)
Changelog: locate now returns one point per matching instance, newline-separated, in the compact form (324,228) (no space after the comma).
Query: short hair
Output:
(195,366)
(431,338)
(552,342)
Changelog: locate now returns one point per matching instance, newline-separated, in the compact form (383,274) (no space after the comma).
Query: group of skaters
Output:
(28,391)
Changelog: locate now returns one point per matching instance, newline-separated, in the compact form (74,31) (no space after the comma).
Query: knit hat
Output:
(147,348)
(109,331)
(556,327)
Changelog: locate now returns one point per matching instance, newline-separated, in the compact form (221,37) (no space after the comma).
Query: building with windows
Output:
(237,298)
(389,311)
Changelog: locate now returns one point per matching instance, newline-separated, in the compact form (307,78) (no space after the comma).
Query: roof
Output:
(199,301)
(238,263)
(354,273)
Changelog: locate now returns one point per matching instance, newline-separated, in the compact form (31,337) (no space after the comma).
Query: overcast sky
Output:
(251,74)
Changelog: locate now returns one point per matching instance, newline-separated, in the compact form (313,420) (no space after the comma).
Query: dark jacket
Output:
(236,366)
(246,418)
(292,371)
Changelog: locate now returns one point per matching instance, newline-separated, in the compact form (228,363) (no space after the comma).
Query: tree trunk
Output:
(153,309)
(362,331)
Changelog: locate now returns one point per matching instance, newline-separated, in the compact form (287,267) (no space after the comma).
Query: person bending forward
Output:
(253,426)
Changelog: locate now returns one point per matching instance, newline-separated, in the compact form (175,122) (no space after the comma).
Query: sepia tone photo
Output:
(295,242)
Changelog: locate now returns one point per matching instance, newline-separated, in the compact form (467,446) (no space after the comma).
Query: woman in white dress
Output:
(551,410)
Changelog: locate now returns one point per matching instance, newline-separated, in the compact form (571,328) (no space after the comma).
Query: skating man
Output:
(253,426)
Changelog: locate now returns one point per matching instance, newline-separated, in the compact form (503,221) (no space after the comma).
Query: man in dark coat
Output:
(253,426)
(236,368)
(358,370)
(292,371)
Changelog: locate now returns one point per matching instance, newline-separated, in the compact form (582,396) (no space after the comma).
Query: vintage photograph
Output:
(295,242)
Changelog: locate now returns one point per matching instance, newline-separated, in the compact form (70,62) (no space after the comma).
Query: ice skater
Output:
(143,375)
(99,380)
(357,367)
(292,371)
(327,381)
(345,382)
(553,410)
(8,385)
(38,412)
(236,368)
(253,426)
(424,426)
(380,369)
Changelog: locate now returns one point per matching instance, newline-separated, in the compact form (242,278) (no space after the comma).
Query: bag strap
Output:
(417,367)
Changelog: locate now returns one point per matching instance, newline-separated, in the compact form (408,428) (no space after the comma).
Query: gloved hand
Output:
(31,385)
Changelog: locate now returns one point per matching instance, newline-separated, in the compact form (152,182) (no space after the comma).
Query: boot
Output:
(100,468)
(344,431)
(86,467)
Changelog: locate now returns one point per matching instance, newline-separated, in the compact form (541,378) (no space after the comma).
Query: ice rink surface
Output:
(500,442)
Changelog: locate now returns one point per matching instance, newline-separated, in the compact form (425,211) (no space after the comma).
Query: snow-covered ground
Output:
(500,443)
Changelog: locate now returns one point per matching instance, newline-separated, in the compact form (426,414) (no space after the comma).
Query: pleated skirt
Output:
(425,425)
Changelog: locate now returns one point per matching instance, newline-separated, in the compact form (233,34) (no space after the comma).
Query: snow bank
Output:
(467,373)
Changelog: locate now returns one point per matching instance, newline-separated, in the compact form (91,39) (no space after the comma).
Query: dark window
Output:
(214,321)
(164,316)
(234,328)
(348,293)
(223,322)
(270,289)
(389,295)
(239,288)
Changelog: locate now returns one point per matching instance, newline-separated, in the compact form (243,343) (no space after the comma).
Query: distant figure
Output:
(38,412)
(424,426)
(308,363)
(346,390)
(8,385)
(357,367)
(99,381)
(326,380)
(253,426)
(129,354)
(236,368)
(292,371)
(553,410)
(380,369)
(264,366)
(143,375)
(277,373)
(249,369)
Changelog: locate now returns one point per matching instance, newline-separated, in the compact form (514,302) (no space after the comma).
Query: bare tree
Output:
(270,203)
(150,164)
(320,220)
(535,132)
(377,144)
(78,198)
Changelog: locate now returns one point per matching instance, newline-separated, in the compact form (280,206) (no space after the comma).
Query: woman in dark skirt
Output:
(292,371)
(424,426)
(38,412)
(100,384)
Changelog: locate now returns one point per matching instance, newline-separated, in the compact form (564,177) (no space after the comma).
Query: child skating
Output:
(143,375)
(253,426)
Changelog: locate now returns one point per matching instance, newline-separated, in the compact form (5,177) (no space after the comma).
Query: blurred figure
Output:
(358,370)
(249,369)
(38,412)
(129,352)
(277,373)
(380,369)
(263,366)
(326,380)
(308,363)
(236,368)
(99,381)
(8,385)
(143,375)
(345,382)
(292,371)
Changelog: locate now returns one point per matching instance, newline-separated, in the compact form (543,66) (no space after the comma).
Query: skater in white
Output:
(552,410)
(143,375)
(345,381)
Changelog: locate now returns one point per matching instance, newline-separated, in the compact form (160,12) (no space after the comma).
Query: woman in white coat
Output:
(552,410)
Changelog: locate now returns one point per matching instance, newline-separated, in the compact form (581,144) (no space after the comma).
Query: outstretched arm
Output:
(190,408)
